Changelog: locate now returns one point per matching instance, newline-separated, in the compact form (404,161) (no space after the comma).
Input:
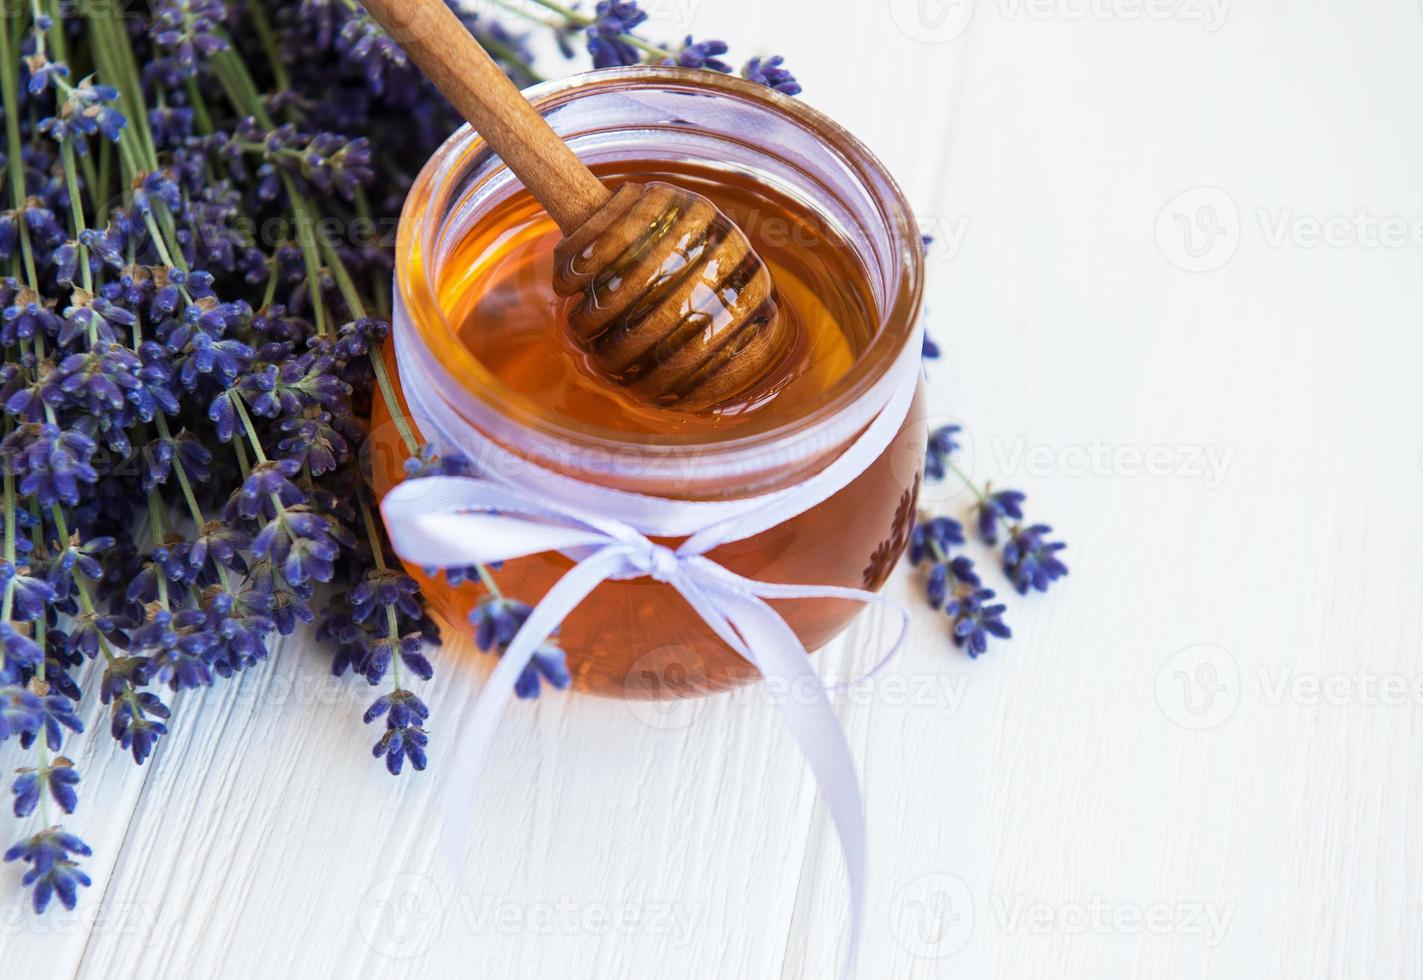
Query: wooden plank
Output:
(1019,802)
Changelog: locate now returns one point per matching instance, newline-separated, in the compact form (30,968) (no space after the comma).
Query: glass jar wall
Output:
(472,281)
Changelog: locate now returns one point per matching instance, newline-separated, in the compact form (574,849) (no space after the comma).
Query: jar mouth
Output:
(464,165)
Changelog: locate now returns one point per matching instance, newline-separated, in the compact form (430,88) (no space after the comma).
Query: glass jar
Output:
(639,638)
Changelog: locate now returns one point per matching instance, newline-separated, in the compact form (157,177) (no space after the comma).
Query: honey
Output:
(478,298)
(498,292)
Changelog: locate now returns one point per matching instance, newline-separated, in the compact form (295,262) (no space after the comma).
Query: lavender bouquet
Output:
(196,280)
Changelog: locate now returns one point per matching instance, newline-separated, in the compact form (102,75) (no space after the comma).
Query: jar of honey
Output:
(474,293)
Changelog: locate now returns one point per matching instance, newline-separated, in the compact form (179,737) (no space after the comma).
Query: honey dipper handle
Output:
(443,48)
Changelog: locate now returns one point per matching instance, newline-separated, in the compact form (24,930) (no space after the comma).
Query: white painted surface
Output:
(1053,810)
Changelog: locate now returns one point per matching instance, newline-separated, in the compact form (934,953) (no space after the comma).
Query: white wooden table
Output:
(1177,284)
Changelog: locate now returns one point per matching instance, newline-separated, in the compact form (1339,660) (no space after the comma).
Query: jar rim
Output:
(457,370)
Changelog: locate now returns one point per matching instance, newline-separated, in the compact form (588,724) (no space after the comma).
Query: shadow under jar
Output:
(474,289)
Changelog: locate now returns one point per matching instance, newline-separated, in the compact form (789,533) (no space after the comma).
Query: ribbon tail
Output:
(777,651)
(475,736)
(771,590)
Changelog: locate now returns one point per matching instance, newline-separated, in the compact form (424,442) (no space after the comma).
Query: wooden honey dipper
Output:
(674,303)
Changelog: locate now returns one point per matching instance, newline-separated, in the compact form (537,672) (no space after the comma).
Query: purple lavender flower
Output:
(769,72)
(27,315)
(52,870)
(302,544)
(85,111)
(177,647)
(267,481)
(21,712)
(943,443)
(496,622)
(606,43)
(998,507)
(178,307)
(28,595)
(217,544)
(43,73)
(701,54)
(1031,561)
(384,589)
(56,713)
(185,31)
(404,736)
(60,779)
(239,633)
(138,723)
(18,653)
(931,540)
(427,462)
(975,620)
(50,462)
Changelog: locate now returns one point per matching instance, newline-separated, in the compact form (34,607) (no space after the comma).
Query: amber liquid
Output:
(497,288)
(640,638)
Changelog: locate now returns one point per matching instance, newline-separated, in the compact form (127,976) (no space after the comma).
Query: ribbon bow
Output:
(448,521)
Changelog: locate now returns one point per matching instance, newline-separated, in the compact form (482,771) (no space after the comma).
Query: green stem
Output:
(306,238)
(155,518)
(14,163)
(583,20)
(112,47)
(76,210)
(242,92)
(488,581)
(247,424)
(99,182)
(172,259)
(344,283)
(165,433)
(981,495)
(201,116)
(242,462)
(392,625)
(7,606)
(392,403)
(86,601)
(269,46)
(382,284)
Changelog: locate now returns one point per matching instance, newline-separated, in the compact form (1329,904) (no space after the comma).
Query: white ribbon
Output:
(516,508)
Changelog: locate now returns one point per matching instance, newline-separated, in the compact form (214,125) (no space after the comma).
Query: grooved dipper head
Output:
(671,300)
